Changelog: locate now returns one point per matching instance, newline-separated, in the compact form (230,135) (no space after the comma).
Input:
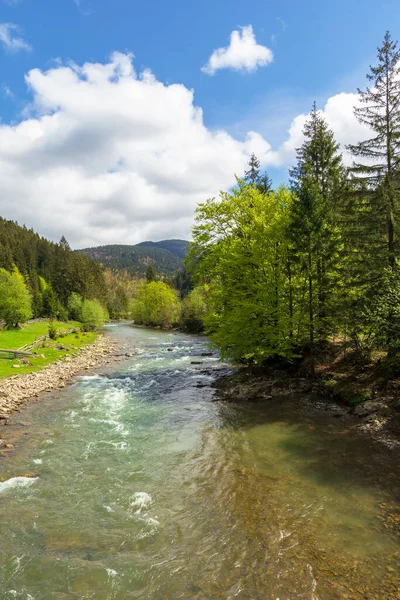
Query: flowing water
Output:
(146,488)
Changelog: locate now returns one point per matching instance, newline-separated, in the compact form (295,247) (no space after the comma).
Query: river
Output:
(147,488)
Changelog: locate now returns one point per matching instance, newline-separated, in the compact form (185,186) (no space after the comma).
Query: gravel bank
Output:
(18,389)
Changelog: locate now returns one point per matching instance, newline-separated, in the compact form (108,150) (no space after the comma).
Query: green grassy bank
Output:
(46,352)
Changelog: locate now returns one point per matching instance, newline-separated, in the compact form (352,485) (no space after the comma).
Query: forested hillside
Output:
(166,256)
(50,272)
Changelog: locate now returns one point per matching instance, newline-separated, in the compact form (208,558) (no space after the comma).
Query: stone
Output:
(369,407)
(16,366)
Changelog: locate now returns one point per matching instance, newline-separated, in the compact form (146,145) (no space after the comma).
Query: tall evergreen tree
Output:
(380,111)
(151,273)
(252,175)
(317,182)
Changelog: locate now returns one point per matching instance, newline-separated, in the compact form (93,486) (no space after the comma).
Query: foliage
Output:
(75,302)
(157,305)
(151,273)
(241,247)
(379,110)
(93,315)
(195,308)
(318,180)
(15,300)
(52,330)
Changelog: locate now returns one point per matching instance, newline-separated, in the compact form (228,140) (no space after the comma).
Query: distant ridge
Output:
(167,256)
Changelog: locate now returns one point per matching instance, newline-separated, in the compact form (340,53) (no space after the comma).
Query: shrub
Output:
(52,331)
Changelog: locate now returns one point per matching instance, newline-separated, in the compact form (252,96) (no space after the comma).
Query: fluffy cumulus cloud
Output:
(243,54)
(339,114)
(110,156)
(106,155)
(11,39)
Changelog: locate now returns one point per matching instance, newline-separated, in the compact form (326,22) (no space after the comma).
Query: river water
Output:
(146,488)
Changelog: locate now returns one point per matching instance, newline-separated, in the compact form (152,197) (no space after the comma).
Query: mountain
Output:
(167,256)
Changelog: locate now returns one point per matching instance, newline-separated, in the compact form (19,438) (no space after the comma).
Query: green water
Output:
(148,489)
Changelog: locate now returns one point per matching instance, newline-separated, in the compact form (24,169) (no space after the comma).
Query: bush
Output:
(93,315)
(52,331)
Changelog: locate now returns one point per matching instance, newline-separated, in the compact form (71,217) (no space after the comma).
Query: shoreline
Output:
(378,419)
(18,390)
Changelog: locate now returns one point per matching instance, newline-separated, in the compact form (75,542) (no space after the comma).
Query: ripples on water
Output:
(148,489)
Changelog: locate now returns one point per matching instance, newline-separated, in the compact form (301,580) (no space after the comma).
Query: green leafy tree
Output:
(241,247)
(93,315)
(156,304)
(195,308)
(75,303)
(15,300)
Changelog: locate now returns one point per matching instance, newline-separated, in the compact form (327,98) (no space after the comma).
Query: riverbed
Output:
(134,483)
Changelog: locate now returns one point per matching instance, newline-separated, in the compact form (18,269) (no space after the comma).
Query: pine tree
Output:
(151,273)
(252,175)
(317,181)
(380,111)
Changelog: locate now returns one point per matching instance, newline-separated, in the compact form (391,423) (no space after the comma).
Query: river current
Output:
(147,488)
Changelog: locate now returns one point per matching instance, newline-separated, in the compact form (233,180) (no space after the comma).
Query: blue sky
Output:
(320,49)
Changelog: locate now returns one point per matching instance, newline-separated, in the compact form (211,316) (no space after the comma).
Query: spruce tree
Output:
(252,175)
(151,273)
(380,111)
(317,181)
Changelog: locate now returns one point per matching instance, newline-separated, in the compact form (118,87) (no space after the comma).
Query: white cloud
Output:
(10,38)
(242,54)
(109,156)
(339,114)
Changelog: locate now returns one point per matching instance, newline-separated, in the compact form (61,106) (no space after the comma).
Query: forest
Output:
(287,272)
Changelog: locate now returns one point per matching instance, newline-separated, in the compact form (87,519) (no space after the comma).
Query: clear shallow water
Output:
(148,489)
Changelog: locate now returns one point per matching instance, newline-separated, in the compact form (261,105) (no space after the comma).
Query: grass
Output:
(47,351)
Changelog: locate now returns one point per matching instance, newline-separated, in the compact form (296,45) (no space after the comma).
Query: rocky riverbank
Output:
(377,417)
(15,391)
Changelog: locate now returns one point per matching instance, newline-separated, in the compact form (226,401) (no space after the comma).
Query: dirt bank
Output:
(15,391)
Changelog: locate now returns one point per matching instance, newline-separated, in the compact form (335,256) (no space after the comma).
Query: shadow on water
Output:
(325,449)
